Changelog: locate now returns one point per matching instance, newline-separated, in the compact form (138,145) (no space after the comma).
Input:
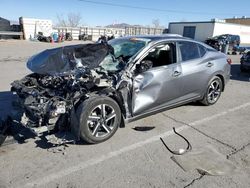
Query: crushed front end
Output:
(58,83)
(46,98)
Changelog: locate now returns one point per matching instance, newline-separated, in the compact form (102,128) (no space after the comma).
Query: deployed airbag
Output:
(64,59)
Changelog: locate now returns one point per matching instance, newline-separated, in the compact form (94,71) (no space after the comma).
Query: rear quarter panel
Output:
(220,68)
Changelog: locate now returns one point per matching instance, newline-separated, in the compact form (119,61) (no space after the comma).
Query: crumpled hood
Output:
(65,59)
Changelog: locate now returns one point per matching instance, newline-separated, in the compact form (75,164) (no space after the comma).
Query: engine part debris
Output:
(60,142)
(143,128)
(60,139)
(180,151)
(58,149)
(206,160)
(39,130)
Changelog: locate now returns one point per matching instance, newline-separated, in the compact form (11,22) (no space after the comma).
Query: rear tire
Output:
(213,91)
(99,118)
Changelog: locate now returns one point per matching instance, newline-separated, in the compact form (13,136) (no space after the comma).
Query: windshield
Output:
(111,64)
(124,49)
(127,47)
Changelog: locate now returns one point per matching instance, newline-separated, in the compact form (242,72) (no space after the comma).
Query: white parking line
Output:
(51,177)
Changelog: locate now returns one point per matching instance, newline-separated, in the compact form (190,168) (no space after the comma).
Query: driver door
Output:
(159,85)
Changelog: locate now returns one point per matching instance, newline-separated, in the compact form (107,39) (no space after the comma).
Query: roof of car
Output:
(157,37)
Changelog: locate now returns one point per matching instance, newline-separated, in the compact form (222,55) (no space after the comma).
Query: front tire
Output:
(2,138)
(213,92)
(99,119)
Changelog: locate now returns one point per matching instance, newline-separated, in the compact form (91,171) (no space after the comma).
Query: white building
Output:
(202,30)
(32,26)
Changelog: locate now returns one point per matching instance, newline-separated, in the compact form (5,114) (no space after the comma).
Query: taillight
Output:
(229,61)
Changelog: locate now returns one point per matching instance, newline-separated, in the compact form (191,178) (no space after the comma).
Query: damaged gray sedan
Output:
(93,89)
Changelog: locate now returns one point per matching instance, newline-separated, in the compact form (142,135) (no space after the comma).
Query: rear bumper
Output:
(227,74)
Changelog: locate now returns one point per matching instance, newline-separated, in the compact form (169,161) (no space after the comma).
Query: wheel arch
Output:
(78,116)
(113,94)
(222,80)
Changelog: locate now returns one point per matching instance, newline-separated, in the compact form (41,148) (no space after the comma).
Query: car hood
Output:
(65,59)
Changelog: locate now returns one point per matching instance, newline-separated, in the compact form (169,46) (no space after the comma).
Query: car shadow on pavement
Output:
(6,100)
(9,108)
(236,74)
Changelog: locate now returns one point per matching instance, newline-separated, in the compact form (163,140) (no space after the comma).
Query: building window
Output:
(189,31)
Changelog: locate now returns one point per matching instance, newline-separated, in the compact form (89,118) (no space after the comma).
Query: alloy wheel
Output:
(101,120)
(214,91)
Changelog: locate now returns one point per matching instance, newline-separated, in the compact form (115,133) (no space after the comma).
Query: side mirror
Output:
(143,66)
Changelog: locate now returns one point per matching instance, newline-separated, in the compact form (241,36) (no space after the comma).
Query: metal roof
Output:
(156,37)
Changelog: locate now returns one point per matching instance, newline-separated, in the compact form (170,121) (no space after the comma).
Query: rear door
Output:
(195,67)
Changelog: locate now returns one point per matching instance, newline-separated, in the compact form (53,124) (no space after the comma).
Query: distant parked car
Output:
(40,37)
(83,37)
(245,62)
(218,42)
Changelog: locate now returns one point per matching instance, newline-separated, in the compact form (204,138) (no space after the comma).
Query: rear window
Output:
(189,50)
(202,50)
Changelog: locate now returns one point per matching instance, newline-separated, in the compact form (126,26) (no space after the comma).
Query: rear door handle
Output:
(176,73)
(209,64)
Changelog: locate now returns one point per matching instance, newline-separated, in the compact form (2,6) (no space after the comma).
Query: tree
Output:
(72,20)
(156,23)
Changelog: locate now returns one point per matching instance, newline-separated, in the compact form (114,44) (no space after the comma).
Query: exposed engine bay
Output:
(61,78)
(45,97)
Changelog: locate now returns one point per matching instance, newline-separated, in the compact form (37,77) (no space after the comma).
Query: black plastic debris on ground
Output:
(180,151)
(144,128)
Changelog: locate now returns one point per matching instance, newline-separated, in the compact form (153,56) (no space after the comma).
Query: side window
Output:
(189,50)
(202,50)
(160,55)
(163,54)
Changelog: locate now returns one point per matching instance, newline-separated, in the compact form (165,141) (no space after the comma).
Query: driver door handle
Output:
(176,73)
